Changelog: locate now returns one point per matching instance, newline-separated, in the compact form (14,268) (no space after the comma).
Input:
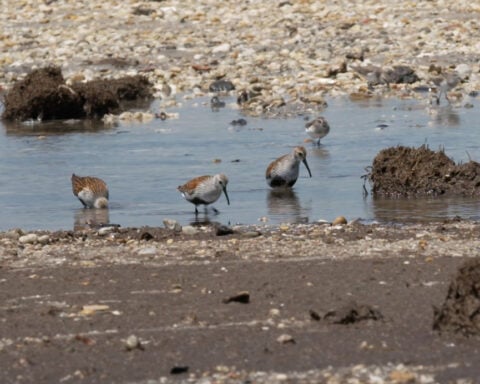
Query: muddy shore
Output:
(296,303)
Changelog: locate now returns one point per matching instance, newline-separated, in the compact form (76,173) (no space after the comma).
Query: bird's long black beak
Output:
(308,168)
(226,195)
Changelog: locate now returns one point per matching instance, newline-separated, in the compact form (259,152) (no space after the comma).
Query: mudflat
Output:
(296,303)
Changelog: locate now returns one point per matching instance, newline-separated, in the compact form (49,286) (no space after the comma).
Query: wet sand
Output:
(316,304)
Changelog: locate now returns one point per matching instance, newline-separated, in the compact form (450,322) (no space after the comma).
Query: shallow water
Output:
(143,163)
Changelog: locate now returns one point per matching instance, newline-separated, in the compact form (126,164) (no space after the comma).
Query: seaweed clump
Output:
(44,95)
(413,172)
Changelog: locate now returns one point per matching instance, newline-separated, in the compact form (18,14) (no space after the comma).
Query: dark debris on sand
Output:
(407,172)
(460,313)
(44,95)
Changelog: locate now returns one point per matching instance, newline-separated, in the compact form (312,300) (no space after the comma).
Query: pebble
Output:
(285,339)
(225,47)
(147,251)
(240,297)
(251,234)
(223,230)
(172,225)
(189,230)
(14,234)
(106,230)
(31,238)
(44,239)
(132,342)
(340,220)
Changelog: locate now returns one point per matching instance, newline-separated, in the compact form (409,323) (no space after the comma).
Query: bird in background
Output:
(317,129)
(445,83)
(91,191)
(205,190)
(283,172)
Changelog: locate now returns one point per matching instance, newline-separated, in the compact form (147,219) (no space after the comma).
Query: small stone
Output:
(240,297)
(285,339)
(133,342)
(172,225)
(274,312)
(44,239)
(251,234)
(340,220)
(31,238)
(223,230)
(240,122)
(14,234)
(189,230)
(147,251)
(176,370)
(398,376)
(146,236)
(91,309)
(106,230)
(314,315)
(225,47)
(221,86)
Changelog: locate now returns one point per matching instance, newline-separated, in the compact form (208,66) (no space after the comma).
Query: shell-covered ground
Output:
(287,52)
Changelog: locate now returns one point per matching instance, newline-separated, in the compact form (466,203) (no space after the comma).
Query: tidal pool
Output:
(143,163)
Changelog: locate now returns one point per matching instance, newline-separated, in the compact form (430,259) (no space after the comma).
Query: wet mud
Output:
(135,317)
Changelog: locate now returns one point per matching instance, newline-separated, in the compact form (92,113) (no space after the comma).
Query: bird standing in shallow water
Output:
(205,190)
(91,191)
(445,83)
(283,172)
(317,129)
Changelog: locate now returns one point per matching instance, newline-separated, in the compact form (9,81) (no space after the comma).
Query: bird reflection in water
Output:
(444,115)
(202,221)
(320,152)
(284,203)
(90,219)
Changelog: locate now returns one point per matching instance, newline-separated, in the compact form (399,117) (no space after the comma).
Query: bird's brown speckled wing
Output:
(273,165)
(94,184)
(190,186)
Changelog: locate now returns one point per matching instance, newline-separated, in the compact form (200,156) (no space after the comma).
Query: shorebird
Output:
(91,191)
(317,129)
(283,172)
(205,190)
(445,83)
